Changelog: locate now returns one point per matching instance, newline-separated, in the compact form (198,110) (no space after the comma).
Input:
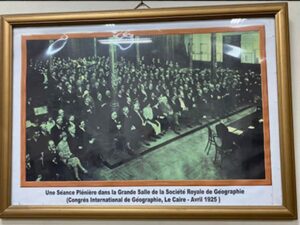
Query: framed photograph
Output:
(156,113)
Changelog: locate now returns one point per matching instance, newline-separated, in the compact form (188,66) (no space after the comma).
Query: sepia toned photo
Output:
(175,106)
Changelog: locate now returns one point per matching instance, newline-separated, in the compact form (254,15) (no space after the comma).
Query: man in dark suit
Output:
(128,132)
(138,124)
(57,129)
(36,147)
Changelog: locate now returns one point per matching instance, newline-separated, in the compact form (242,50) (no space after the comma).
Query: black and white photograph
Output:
(167,105)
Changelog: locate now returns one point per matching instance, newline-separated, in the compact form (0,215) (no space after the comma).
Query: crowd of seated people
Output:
(92,114)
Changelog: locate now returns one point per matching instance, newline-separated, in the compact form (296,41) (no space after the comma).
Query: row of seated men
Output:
(82,83)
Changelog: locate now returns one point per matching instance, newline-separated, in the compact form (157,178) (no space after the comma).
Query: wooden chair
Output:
(210,141)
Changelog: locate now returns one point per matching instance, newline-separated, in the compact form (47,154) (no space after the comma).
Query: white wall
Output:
(294,15)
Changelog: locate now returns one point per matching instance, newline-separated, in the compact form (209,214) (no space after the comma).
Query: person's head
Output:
(99,96)
(134,91)
(167,92)
(153,96)
(36,133)
(148,113)
(72,118)
(69,87)
(51,144)
(128,100)
(186,87)
(87,100)
(82,124)
(108,93)
(136,105)
(59,120)
(199,92)
(61,112)
(224,84)
(150,86)
(125,110)
(163,99)
(72,129)
(114,115)
(78,82)
(44,126)
(97,84)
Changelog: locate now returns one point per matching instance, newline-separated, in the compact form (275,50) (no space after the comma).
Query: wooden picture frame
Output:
(21,35)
